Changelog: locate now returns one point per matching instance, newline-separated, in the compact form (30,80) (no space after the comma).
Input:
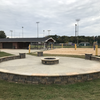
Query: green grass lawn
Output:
(4,54)
(80,91)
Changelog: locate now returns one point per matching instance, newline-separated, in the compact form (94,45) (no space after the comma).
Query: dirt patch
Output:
(72,51)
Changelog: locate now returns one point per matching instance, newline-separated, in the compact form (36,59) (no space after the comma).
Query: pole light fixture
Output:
(77,20)
(49,32)
(75,30)
(43,33)
(22,32)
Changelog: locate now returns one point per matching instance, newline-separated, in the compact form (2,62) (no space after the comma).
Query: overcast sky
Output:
(59,16)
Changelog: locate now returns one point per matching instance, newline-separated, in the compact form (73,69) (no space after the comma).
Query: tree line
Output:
(2,34)
(73,39)
(66,39)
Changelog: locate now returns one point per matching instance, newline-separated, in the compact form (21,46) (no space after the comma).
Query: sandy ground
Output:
(72,51)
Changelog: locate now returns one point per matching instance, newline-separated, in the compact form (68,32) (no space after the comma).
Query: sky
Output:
(58,16)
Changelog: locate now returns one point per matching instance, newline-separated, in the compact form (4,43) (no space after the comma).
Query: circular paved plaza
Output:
(32,65)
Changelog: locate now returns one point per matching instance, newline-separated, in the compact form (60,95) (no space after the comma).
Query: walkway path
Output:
(17,51)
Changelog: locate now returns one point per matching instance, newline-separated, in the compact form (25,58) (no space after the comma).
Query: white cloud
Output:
(55,15)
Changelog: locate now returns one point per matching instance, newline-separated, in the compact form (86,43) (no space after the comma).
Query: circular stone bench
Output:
(20,56)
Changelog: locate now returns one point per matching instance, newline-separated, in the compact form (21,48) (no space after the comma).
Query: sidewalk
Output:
(17,51)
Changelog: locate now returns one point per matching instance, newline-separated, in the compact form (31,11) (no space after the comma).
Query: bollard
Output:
(96,51)
(51,46)
(75,46)
(62,45)
(29,48)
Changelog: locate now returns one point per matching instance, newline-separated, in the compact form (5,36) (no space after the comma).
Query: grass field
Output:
(4,54)
(80,91)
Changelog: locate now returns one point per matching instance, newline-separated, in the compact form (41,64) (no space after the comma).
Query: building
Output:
(84,44)
(23,43)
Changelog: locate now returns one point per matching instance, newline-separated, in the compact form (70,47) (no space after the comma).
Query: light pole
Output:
(75,30)
(43,33)
(22,31)
(37,30)
(77,20)
(11,33)
(49,32)
(14,33)
(75,33)
(19,35)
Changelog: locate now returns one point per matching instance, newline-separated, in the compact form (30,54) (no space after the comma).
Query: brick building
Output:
(23,43)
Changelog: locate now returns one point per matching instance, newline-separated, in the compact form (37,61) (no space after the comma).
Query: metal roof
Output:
(45,39)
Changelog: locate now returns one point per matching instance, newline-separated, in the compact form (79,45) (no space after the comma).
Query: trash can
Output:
(88,56)
(22,55)
(39,53)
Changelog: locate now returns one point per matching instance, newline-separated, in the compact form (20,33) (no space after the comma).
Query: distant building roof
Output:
(45,39)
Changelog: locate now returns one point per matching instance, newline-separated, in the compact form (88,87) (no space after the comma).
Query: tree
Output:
(73,39)
(2,34)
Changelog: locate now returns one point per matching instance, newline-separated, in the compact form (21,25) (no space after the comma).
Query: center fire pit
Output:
(50,61)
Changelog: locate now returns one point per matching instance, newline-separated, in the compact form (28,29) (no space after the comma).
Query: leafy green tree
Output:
(2,34)
(65,39)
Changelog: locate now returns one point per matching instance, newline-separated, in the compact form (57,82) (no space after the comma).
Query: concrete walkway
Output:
(32,65)
(17,51)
